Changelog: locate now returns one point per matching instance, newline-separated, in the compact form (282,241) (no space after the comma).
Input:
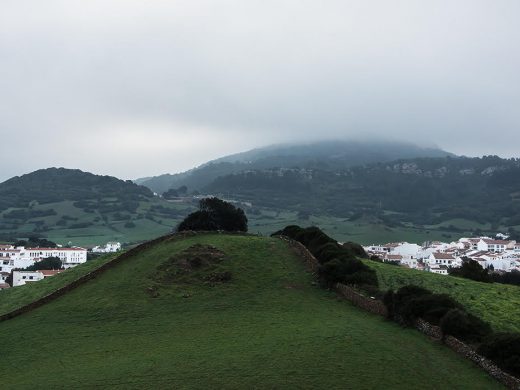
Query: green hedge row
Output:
(410,303)
(338,263)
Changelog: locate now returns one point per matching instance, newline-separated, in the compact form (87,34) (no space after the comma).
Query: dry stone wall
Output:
(303,252)
(369,304)
(486,364)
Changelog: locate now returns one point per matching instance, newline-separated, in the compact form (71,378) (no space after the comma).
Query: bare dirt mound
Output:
(196,264)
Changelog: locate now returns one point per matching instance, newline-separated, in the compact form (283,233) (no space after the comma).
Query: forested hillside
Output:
(423,191)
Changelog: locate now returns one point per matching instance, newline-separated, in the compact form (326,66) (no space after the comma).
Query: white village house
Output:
(110,247)
(22,277)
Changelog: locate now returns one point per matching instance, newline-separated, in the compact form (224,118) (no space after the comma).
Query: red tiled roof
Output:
(496,242)
(445,256)
(394,257)
(49,272)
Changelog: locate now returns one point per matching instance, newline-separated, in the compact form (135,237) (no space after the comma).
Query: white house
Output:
(407,250)
(502,263)
(438,269)
(440,258)
(14,258)
(22,277)
(110,247)
(491,245)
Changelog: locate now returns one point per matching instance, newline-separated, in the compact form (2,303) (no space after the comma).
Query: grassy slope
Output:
(499,304)
(267,328)
(14,298)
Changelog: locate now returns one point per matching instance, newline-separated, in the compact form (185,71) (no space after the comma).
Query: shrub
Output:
(362,278)
(333,271)
(355,249)
(464,326)
(504,350)
(470,269)
(430,307)
(412,302)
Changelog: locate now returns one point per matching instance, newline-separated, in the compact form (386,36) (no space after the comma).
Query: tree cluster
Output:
(47,263)
(215,214)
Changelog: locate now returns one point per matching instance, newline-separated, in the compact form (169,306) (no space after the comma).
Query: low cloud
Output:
(134,88)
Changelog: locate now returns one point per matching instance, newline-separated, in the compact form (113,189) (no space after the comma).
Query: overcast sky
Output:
(137,88)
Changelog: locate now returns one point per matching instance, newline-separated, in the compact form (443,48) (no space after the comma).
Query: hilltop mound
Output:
(198,263)
(251,332)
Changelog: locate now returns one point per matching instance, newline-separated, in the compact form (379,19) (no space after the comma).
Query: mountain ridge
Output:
(323,154)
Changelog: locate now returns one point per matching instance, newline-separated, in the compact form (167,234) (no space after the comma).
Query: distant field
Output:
(498,304)
(268,327)
(363,232)
(148,223)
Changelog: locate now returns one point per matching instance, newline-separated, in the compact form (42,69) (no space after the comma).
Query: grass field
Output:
(498,304)
(268,327)
(99,229)
(365,232)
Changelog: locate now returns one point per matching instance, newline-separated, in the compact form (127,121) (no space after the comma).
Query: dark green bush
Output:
(412,302)
(355,249)
(471,269)
(504,350)
(431,307)
(362,278)
(464,326)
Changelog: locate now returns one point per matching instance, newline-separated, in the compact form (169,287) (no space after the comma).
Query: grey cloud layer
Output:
(179,82)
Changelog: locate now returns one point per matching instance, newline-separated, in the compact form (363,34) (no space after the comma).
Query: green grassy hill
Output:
(68,205)
(218,311)
(498,304)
